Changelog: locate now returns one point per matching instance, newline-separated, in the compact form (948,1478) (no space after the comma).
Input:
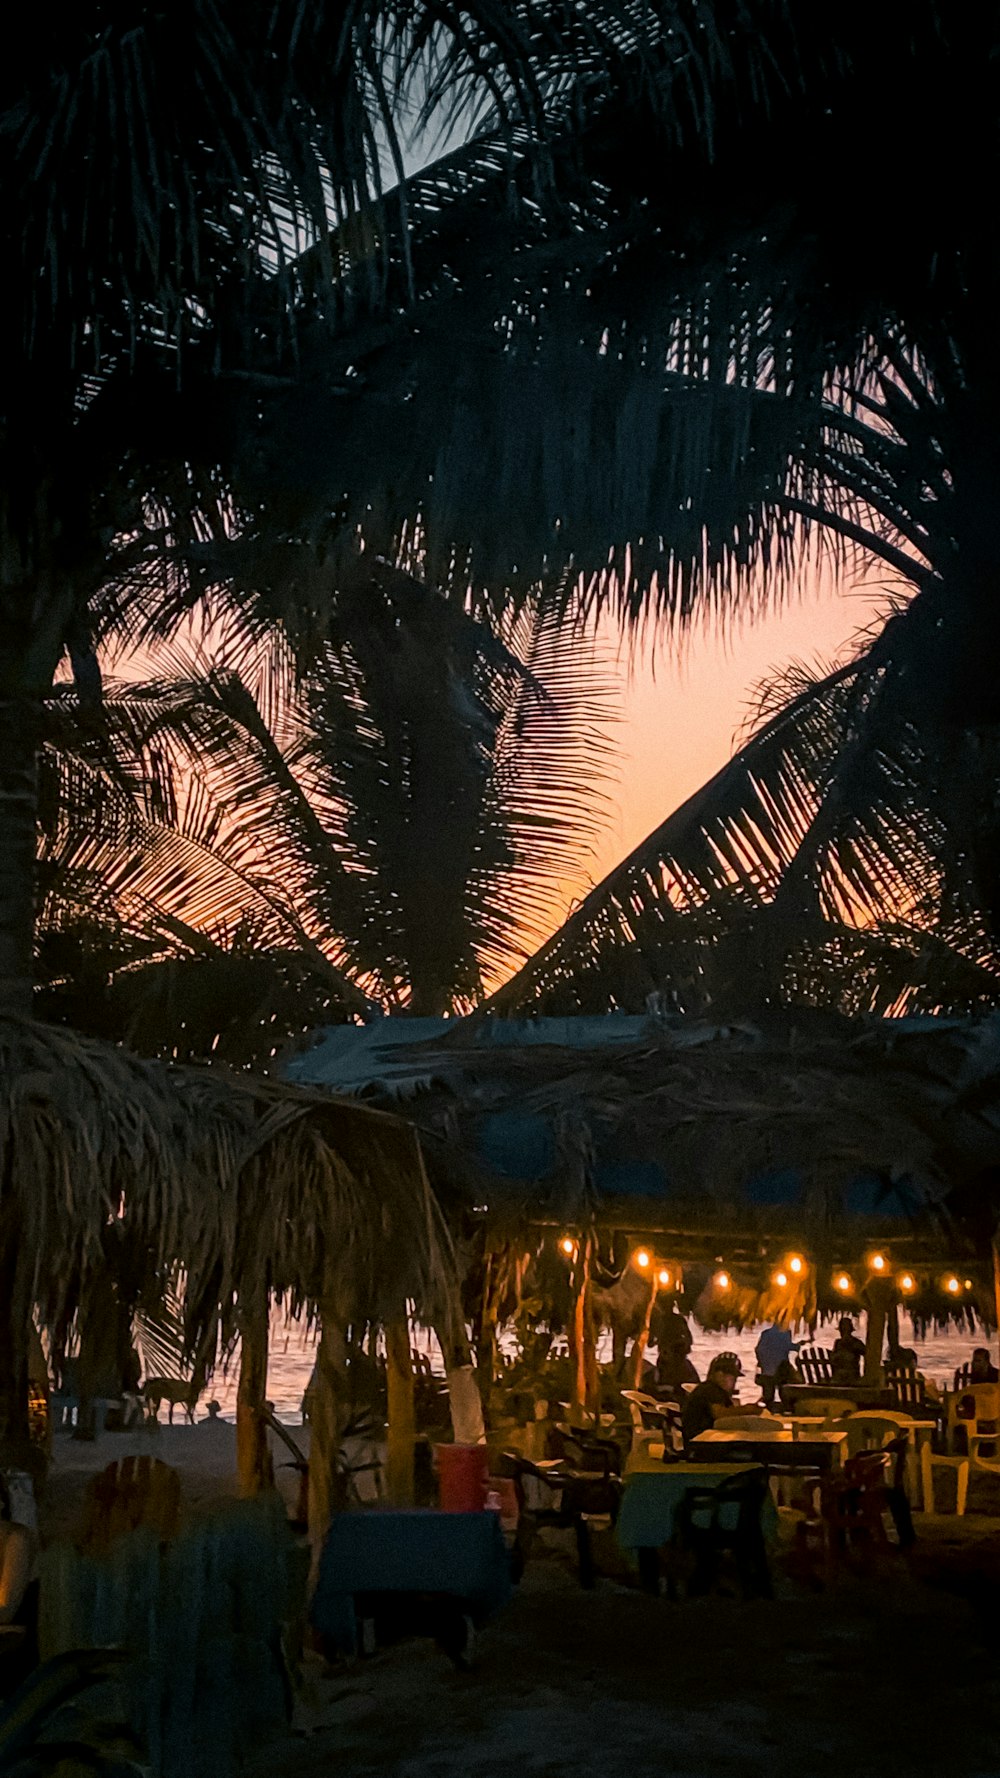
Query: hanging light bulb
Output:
(663,1278)
(796,1263)
(781,1279)
(722,1280)
(843,1282)
(568,1245)
(642,1259)
(968,1283)
(952,1285)
(878,1262)
(907,1282)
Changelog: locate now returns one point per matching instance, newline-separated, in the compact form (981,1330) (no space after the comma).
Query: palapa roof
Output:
(800,1129)
(240,1181)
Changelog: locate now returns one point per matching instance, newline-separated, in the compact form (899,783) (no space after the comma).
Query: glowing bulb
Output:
(968,1283)
(781,1279)
(843,1282)
(663,1277)
(906,1282)
(642,1259)
(953,1285)
(878,1262)
(795,1264)
(722,1280)
(567,1244)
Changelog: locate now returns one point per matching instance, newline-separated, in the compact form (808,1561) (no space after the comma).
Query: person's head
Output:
(846,1326)
(980,1362)
(725,1370)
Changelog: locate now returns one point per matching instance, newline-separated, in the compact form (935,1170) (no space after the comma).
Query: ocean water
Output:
(292,1354)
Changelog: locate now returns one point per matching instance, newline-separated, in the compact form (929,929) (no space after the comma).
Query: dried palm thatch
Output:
(806,1133)
(244,1185)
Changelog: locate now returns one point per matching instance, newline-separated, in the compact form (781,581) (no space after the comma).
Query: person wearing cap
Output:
(713,1399)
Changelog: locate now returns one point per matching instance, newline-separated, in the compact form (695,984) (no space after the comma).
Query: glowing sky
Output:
(682,716)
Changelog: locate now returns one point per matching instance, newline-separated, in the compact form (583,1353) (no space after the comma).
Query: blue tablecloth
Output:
(459,1556)
(652,1496)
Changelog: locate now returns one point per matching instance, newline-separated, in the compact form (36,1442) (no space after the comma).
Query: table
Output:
(460,1558)
(815,1448)
(654,1491)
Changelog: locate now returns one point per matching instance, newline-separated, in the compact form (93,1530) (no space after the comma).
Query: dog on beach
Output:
(182,1391)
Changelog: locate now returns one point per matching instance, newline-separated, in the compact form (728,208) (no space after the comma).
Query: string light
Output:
(906,1282)
(878,1262)
(722,1280)
(568,1245)
(843,1282)
(781,1279)
(663,1277)
(642,1259)
(795,1264)
(953,1285)
(968,1283)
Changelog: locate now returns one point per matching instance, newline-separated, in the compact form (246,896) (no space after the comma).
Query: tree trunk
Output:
(464,1401)
(253,1457)
(19,728)
(402,1415)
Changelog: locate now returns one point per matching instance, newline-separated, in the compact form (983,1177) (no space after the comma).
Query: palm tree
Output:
(232,855)
(849,851)
(170,183)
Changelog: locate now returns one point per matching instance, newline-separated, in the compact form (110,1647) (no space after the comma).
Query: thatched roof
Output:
(803,1132)
(239,1181)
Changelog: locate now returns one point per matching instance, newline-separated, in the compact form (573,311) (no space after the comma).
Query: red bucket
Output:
(462,1472)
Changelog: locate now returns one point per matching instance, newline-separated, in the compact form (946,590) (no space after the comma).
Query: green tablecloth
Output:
(652,1496)
(461,1556)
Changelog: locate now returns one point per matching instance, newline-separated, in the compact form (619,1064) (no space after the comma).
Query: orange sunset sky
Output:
(684,706)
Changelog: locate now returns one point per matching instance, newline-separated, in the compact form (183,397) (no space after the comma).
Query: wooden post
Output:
(486,1345)
(253,1457)
(585,1402)
(402,1415)
(996,1278)
(878,1298)
(892,1328)
(329,1412)
(642,1341)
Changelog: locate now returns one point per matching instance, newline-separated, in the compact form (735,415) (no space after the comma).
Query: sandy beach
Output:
(204,1456)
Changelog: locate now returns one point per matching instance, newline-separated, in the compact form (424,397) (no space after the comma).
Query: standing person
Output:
(713,1399)
(848,1353)
(773,1352)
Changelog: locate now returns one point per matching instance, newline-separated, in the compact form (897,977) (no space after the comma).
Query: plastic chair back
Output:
(815,1364)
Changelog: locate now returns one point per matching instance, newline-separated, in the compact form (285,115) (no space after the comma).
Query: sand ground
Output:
(896,1675)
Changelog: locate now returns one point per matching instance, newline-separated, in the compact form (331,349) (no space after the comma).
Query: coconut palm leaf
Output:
(832,859)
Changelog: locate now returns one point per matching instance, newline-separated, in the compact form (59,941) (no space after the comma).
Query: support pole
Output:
(892,1329)
(639,1349)
(996,1278)
(585,1402)
(329,1413)
(402,1413)
(254,1467)
(879,1295)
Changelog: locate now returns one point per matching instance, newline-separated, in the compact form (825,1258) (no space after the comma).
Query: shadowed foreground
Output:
(897,1675)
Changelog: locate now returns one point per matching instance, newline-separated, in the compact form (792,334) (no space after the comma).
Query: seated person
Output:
(673,1370)
(712,1401)
(847,1353)
(981,1368)
(906,1360)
